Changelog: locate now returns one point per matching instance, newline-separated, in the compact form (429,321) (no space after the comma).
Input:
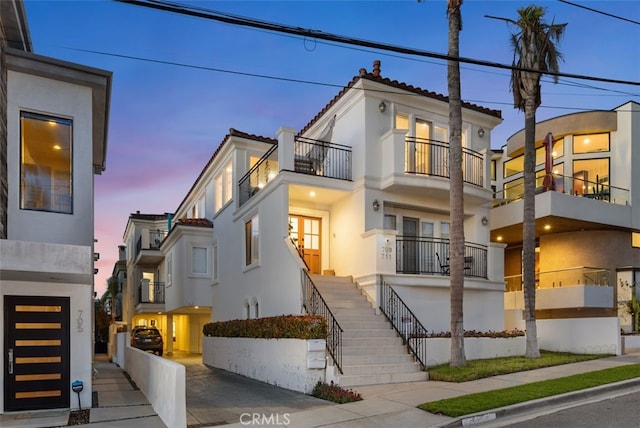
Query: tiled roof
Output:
(199,222)
(153,217)
(375,77)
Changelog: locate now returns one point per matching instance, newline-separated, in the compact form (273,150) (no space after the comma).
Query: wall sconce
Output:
(376,205)
(382,107)
(485,221)
(481,132)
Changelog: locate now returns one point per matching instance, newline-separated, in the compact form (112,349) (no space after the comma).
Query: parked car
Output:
(147,339)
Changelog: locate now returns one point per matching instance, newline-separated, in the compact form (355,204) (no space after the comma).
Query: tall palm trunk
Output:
(456,244)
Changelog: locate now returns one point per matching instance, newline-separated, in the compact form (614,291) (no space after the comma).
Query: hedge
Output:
(281,327)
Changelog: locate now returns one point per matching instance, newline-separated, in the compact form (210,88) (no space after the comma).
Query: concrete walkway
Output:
(216,398)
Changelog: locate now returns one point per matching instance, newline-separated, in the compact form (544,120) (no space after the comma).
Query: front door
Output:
(410,250)
(306,233)
(36,344)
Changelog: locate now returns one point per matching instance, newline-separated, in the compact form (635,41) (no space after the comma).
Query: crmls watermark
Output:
(265,419)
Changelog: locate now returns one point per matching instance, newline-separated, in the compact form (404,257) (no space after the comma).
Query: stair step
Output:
(383,332)
(371,341)
(375,369)
(372,350)
(381,378)
(363,360)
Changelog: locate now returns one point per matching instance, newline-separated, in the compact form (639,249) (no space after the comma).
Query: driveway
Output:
(217,397)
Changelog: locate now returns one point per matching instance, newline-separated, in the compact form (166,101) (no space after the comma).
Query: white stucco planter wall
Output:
(162,382)
(475,348)
(289,363)
(580,335)
(631,342)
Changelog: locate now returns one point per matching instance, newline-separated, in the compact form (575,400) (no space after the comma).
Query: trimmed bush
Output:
(281,327)
(335,393)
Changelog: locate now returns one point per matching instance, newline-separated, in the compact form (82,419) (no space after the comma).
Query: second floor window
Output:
(46,163)
(251,241)
(223,186)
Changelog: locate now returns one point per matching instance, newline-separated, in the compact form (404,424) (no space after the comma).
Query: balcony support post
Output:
(286,148)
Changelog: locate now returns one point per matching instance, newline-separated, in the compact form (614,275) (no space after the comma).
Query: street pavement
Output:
(218,398)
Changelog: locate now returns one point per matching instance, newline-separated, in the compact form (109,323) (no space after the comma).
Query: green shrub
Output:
(335,393)
(281,327)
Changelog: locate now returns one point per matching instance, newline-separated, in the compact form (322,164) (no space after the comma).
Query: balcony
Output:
(148,246)
(150,292)
(430,256)
(580,287)
(310,157)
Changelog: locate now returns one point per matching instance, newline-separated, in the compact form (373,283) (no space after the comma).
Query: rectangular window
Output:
(251,241)
(513,166)
(169,271)
(223,186)
(515,188)
(46,163)
(426,229)
(389,222)
(493,169)
(444,230)
(199,260)
(591,176)
(635,239)
(215,262)
(402,121)
(593,143)
(558,148)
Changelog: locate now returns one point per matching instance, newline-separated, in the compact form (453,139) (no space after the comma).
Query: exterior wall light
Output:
(376,205)
(485,221)
(481,132)
(382,107)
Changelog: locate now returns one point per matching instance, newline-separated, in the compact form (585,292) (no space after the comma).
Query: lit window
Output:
(513,166)
(252,239)
(591,176)
(402,121)
(223,186)
(635,239)
(591,143)
(46,170)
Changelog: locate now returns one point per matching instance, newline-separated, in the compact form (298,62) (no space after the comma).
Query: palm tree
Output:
(534,53)
(456,244)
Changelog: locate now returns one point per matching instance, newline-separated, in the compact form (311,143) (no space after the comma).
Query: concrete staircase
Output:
(372,352)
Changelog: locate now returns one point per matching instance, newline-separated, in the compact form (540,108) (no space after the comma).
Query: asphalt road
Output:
(612,411)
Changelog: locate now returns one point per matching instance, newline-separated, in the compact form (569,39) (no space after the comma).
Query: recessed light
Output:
(547,226)
(57,147)
(312,194)
(196,307)
(499,238)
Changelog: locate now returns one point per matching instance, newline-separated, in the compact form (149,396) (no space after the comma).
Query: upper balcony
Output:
(150,296)
(309,157)
(566,204)
(579,287)
(406,161)
(148,246)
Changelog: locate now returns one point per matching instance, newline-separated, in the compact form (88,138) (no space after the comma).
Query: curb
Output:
(519,408)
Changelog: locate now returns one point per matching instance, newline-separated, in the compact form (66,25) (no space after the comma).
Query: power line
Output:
(317,34)
(622,18)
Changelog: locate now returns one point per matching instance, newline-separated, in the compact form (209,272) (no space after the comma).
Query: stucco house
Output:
(53,140)
(587,226)
(355,202)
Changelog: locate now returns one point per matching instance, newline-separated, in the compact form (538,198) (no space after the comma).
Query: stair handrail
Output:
(315,304)
(404,322)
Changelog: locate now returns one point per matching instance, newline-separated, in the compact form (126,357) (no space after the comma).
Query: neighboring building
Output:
(178,301)
(587,221)
(362,191)
(56,116)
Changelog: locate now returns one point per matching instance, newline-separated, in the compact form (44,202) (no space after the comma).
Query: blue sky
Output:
(166,120)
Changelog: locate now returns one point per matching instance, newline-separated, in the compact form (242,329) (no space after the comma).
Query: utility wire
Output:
(622,18)
(317,34)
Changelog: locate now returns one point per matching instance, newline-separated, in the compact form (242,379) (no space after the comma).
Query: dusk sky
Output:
(167,120)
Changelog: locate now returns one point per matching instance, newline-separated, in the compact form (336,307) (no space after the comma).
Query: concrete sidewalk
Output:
(218,397)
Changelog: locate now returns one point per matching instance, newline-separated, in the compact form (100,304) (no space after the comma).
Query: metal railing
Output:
(404,322)
(431,157)
(315,304)
(265,170)
(315,157)
(598,190)
(571,277)
(429,256)
(156,236)
(153,294)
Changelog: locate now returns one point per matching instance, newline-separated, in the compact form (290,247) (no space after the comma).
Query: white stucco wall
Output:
(40,95)
(162,382)
(475,348)
(580,335)
(289,363)
(80,328)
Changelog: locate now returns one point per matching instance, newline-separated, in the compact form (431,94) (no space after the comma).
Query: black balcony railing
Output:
(404,322)
(151,292)
(315,304)
(315,157)
(156,236)
(430,256)
(431,157)
(265,170)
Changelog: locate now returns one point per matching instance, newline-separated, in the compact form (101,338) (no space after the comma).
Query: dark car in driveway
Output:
(147,339)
